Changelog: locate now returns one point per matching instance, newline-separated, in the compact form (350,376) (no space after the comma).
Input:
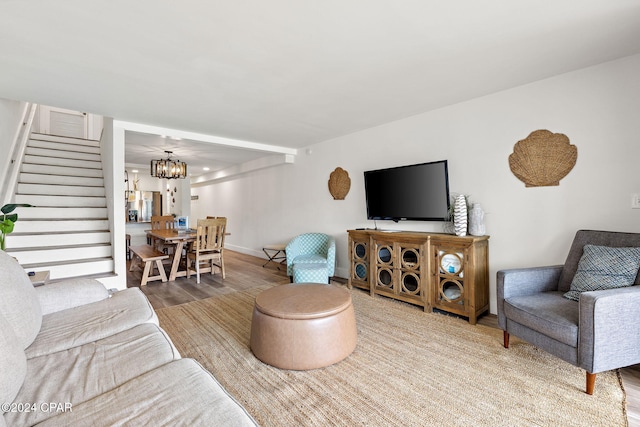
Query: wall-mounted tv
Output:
(415,192)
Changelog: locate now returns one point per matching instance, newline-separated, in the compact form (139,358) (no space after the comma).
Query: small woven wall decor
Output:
(543,158)
(339,183)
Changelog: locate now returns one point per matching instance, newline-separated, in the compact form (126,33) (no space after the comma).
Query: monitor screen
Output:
(414,192)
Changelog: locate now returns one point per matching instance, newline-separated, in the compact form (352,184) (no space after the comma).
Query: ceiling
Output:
(292,72)
(140,148)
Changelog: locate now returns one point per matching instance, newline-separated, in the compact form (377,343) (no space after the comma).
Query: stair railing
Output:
(11,166)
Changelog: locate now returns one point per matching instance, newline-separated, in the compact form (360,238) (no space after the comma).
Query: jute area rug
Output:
(409,368)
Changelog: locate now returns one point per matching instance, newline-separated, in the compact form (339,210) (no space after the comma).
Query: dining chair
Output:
(208,246)
(209,217)
(165,222)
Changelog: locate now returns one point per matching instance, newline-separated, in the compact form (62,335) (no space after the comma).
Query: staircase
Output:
(67,232)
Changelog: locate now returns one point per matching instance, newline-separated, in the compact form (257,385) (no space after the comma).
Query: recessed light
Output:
(205,169)
(134,170)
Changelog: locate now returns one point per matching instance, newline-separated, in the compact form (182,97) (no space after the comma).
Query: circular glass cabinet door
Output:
(360,271)
(410,283)
(410,258)
(451,263)
(385,278)
(451,291)
(384,255)
(360,250)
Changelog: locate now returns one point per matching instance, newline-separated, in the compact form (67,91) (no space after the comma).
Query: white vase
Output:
(460,216)
(476,221)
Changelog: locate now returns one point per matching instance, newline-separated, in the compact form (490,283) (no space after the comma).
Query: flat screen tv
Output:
(415,192)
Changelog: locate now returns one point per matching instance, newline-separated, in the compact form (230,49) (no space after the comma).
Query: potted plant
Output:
(8,220)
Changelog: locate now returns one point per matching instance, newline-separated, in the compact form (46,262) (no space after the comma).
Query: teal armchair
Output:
(311,249)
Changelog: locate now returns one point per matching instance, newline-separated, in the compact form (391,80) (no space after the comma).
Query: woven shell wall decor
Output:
(339,183)
(543,158)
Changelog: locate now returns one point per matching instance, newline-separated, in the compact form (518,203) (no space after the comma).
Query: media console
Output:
(432,270)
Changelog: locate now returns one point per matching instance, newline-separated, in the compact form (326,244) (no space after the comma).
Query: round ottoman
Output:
(303,326)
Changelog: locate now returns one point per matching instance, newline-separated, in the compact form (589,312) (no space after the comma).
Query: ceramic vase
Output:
(476,221)
(460,216)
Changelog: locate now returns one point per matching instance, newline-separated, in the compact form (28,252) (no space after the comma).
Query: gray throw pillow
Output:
(604,267)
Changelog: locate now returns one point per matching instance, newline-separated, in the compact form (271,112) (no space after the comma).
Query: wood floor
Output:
(246,272)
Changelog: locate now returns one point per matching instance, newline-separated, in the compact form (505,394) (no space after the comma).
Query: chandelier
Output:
(168,168)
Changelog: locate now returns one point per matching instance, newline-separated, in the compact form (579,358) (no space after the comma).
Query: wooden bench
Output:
(148,255)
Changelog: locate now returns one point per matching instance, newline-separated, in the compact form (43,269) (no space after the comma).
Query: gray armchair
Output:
(599,332)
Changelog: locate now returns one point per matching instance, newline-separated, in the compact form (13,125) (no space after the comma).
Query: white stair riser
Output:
(65,154)
(46,226)
(61,161)
(59,201)
(78,148)
(63,213)
(60,190)
(16,241)
(61,254)
(34,178)
(61,170)
(65,140)
(67,233)
(103,266)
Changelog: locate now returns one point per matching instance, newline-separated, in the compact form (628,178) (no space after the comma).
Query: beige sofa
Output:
(71,354)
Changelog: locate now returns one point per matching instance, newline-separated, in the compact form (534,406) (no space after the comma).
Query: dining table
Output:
(179,238)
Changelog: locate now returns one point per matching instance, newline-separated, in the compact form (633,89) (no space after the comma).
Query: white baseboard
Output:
(246,251)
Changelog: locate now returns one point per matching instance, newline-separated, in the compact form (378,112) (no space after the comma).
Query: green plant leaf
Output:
(12,217)
(10,207)
(6,226)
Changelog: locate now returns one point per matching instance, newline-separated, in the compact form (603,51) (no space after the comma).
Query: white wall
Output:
(146,182)
(597,108)
(11,113)
(112,153)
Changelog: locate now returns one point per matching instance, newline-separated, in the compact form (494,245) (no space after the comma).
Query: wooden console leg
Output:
(591,382)
(505,336)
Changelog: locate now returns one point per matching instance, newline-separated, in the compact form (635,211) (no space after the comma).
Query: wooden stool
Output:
(303,326)
(148,255)
(275,253)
